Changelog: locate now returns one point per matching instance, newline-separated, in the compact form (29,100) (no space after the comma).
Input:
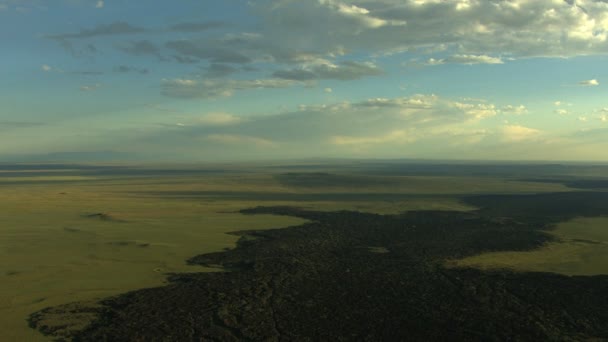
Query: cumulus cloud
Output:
(514,110)
(328,90)
(561,111)
(46,68)
(214,88)
(516,28)
(358,14)
(589,83)
(100,4)
(477,110)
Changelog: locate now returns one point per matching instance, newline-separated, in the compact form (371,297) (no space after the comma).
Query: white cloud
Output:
(324,69)
(582,118)
(3,7)
(477,110)
(100,4)
(328,90)
(359,14)
(514,110)
(561,111)
(591,83)
(517,133)
(465,59)
(46,68)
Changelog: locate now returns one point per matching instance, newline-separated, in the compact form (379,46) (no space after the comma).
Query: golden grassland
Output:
(55,250)
(581,249)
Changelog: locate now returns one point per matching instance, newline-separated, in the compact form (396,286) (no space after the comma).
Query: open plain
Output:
(81,233)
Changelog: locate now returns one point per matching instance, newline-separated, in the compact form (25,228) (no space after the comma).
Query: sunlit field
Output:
(581,249)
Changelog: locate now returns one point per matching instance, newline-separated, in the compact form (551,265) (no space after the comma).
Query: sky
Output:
(195,81)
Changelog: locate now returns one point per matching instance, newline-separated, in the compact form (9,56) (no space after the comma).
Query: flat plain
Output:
(80,233)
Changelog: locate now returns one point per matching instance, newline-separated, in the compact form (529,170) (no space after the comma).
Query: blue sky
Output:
(285,79)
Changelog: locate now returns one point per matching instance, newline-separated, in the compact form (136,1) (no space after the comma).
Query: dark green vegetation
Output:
(326,280)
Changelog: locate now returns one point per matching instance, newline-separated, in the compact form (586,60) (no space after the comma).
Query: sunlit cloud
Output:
(589,83)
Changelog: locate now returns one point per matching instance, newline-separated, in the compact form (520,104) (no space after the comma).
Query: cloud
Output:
(418,101)
(215,88)
(140,48)
(589,83)
(397,136)
(127,69)
(561,111)
(465,59)
(219,119)
(87,72)
(3,7)
(90,87)
(14,125)
(358,14)
(328,90)
(196,27)
(206,50)
(115,28)
(517,133)
(514,110)
(342,71)
(231,139)
(46,68)
(477,110)
(217,70)
(100,4)
(473,29)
